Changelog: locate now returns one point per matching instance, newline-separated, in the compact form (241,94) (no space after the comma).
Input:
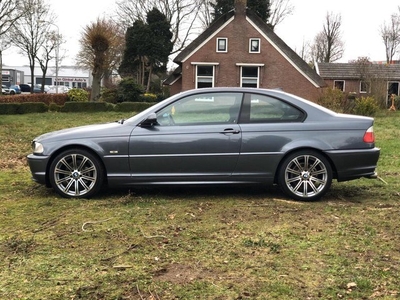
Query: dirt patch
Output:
(181,274)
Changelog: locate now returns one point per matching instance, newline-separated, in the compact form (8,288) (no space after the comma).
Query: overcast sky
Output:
(361,22)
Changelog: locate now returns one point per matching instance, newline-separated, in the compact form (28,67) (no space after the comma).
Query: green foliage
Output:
(148,46)
(260,7)
(87,107)
(366,106)
(129,90)
(54,107)
(110,95)
(148,97)
(132,106)
(58,99)
(332,99)
(78,95)
(22,108)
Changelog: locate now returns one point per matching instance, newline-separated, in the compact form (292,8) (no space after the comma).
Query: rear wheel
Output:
(305,175)
(76,173)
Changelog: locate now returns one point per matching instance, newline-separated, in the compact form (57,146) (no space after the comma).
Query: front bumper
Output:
(38,167)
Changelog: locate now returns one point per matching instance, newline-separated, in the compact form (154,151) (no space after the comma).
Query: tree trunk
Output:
(96,84)
(149,78)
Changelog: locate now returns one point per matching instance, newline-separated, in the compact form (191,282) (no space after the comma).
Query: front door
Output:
(197,139)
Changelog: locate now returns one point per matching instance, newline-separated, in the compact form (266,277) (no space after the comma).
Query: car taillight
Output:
(369,136)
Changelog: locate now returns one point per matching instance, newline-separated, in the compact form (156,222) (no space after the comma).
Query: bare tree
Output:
(48,51)
(99,43)
(28,32)
(205,14)
(390,34)
(279,10)
(10,12)
(328,45)
(181,14)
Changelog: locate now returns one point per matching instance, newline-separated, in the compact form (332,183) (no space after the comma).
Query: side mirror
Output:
(150,121)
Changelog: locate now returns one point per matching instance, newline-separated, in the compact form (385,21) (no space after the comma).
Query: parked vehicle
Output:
(60,89)
(212,136)
(15,89)
(5,90)
(26,88)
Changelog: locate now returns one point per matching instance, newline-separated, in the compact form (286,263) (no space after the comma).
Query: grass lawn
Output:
(195,243)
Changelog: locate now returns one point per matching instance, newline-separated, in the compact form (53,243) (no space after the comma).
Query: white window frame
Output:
(256,79)
(251,40)
(196,64)
(226,45)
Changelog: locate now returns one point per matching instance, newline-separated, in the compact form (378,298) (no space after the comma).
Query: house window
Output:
(249,77)
(204,76)
(222,45)
(364,87)
(254,46)
(339,84)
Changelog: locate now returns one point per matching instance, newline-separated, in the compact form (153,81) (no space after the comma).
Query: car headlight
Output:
(37,147)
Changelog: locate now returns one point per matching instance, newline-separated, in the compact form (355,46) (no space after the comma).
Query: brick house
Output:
(378,79)
(239,49)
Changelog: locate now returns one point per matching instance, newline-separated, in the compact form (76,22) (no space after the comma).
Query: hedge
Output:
(22,108)
(39,107)
(132,106)
(58,99)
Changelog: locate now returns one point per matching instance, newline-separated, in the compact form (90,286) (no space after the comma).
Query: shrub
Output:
(132,106)
(9,108)
(32,107)
(110,95)
(129,90)
(54,107)
(87,107)
(78,95)
(58,99)
(148,97)
(22,108)
(366,106)
(332,99)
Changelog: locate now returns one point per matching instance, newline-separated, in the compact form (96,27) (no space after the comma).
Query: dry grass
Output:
(195,243)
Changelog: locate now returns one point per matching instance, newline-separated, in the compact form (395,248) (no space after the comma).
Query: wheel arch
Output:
(334,172)
(69,147)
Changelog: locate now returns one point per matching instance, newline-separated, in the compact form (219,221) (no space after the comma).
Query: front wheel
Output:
(305,175)
(76,173)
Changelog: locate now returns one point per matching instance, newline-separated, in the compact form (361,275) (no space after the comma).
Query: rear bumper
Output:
(353,164)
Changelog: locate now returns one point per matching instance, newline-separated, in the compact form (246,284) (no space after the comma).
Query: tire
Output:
(305,175)
(76,173)
(12,93)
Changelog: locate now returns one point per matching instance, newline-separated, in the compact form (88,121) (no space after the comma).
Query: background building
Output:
(69,76)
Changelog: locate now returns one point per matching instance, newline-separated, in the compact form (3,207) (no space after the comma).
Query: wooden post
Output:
(393,107)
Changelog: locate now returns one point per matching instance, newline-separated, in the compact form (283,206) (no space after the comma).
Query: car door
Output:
(268,125)
(197,139)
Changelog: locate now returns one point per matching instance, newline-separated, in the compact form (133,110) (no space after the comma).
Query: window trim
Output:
(258,74)
(226,45)
(259,45)
(205,77)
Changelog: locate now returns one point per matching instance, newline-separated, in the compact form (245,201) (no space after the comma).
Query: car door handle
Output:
(230,130)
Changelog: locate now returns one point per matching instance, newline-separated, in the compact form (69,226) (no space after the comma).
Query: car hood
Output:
(89,131)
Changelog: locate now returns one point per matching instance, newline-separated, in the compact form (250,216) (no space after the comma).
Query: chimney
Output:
(240,7)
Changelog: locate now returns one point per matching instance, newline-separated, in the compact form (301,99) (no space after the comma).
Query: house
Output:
(362,79)
(239,49)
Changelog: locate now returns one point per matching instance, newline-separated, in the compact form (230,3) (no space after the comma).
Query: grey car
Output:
(212,136)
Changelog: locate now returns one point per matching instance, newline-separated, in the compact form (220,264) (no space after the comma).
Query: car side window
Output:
(266,109)
(207,108)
